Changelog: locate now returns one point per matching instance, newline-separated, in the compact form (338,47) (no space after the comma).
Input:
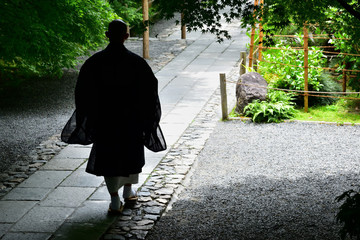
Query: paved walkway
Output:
(61,201)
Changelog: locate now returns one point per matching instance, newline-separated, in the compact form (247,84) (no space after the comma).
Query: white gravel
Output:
(266,181)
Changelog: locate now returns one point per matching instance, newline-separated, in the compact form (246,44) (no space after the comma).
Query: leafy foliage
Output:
(288,67)
(131,12)
(42,37)
(349,214)
(277,108)
(206,16)
(277,14)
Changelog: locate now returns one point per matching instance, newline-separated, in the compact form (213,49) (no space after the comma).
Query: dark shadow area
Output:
(31,112)
(257,208)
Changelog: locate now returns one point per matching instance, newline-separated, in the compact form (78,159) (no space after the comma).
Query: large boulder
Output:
(246,90)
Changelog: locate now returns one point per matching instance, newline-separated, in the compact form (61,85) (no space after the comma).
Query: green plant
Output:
(277,108)
(131,12)
(43,37)
(349,214)
(234,113)
(287,65)
(344,44)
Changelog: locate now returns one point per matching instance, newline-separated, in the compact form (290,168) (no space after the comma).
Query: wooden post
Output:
(242,63)
(145,5)
(344,79)
(183,27)
(224,108)
(306,69)
(252,40)
(261,36)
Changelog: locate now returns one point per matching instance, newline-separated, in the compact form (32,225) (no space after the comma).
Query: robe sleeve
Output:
(78,129)
(153,137)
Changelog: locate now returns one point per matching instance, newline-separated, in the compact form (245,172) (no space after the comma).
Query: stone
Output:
(153,210)
(144,199)
(151,217)
(140,234)
(142,227)
(163,201)
(165,191)
(182,169)
(137,218)
(144,222)
(17,180)
(246,94)
(127,212)
(153,203)
(143,194)
(126,229)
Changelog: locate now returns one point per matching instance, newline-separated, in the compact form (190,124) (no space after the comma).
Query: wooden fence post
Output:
(261,36)
(145,5)
(224,108)
(344,79)
(242,63)
(252,40)
(306,69)
(183,27)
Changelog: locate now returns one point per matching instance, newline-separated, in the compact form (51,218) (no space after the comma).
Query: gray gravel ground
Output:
(39,108)
(266,181)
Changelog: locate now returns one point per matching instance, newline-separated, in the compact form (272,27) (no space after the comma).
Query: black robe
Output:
(118,110)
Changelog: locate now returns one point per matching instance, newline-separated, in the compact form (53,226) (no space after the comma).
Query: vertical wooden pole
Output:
(261,36)
(183,27)
(224,108)
(252,40)
(306,68)
(242,63)
(145,5)
(344,79)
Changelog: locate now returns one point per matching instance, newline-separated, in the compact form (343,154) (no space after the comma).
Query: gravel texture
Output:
(266,181)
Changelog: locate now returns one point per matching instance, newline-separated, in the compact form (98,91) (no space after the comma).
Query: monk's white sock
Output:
(128,192)
(115,203)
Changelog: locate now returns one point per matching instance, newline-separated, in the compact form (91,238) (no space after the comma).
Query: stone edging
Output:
(22,170)
(167,179)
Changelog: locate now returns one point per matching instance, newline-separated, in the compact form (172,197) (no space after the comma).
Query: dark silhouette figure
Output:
(118,110)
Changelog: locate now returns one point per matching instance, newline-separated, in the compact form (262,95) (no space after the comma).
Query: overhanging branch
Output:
(349,8)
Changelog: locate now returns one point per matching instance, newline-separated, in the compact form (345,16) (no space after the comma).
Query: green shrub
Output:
(349,214)
(287,66)
(277,108)
(42,37)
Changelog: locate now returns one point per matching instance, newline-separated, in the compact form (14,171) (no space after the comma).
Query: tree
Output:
(43,36)
(205,15)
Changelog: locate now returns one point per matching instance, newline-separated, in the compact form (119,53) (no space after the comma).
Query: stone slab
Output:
(78,231)
(27,236)
(63,164)
(12,211)
(42,219)
(4,227)
(45,179)
(73,151)
(67,197)
(80,178)
(92,212)
(27,194)
(101,194)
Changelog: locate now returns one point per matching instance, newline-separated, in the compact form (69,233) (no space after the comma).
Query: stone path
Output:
(61,201)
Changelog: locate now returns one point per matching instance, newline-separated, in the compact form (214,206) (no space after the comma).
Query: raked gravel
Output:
(266,181)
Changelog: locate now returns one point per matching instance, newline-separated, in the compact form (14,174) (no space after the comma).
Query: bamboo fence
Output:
(305,48)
